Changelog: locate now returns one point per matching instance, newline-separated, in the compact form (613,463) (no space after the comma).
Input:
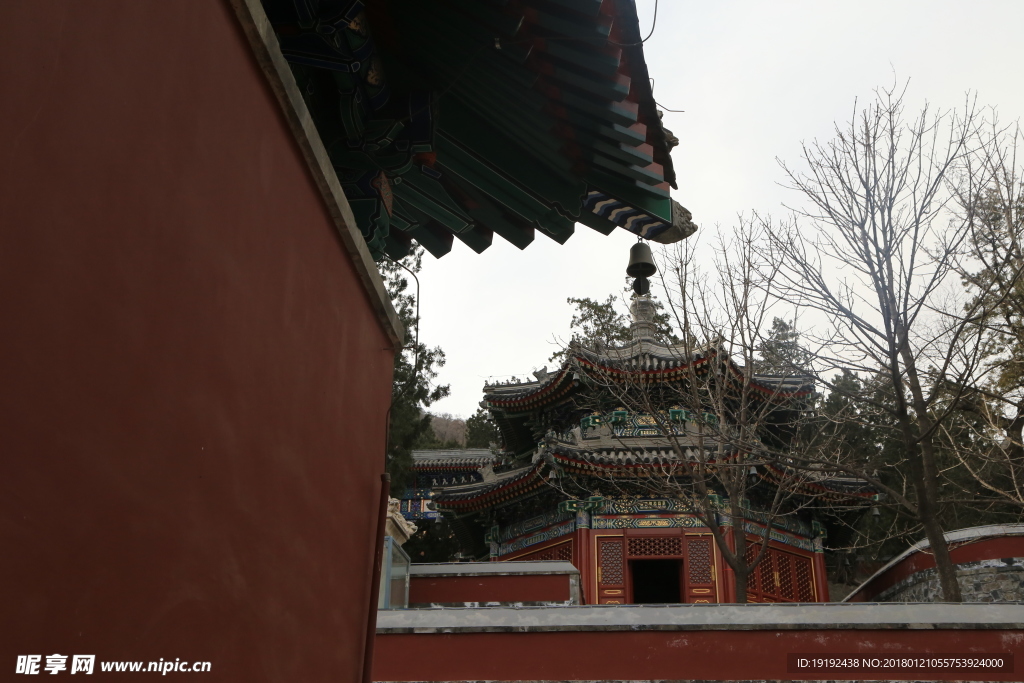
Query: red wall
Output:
(193,385)
(694,654)
(990,548)
(489,588)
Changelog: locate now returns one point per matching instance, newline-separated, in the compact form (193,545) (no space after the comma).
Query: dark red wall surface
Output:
(193,385)
(490,588)
(729,655)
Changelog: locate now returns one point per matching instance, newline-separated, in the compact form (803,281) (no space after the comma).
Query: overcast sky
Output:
(755,79)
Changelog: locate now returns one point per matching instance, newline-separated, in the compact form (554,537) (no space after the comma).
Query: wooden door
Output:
(780,577)
(611,571)
(700,569)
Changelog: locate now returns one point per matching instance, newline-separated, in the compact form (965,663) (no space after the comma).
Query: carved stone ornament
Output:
(396,526)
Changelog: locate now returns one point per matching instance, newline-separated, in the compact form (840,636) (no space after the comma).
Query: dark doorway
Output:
(656,581)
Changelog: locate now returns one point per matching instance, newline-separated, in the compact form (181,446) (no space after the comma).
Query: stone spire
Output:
(642,311)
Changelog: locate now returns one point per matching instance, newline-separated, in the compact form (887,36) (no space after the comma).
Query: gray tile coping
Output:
(491,568)
(693,617)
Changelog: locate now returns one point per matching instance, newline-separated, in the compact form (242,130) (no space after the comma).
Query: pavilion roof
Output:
(659,360)
(463,118)
(523,396)
(451,459)
(637,461)
(824,486)
(501,488)
(625,459)
(651,359)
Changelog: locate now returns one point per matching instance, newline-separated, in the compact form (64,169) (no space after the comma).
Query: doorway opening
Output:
(656,581)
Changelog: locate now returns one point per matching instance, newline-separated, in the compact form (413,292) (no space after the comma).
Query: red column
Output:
(584,561)
(728,576)
(820,577)
(722,580)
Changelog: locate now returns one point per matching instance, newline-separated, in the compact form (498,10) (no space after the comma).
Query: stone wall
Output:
(984,581)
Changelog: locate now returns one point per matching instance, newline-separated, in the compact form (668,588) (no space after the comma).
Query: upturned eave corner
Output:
(279,76)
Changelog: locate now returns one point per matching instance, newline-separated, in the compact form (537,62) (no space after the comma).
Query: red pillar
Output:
(820,577)
(584,561)
(728,577)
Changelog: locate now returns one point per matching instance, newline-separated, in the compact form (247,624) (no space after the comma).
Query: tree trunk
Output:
(926,484)
(943,562)
(927,495)
(741,583)
(738,561)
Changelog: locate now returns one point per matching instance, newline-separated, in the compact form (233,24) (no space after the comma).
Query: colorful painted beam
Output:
(501,118)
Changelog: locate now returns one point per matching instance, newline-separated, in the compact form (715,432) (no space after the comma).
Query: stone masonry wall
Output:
(984,581)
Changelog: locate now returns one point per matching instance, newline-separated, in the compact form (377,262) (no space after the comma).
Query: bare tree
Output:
(448,428)
(993,276)
(876,250)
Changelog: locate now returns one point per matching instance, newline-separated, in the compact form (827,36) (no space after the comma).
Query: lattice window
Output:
(804,579)
(562,551)
(781,577)
(610,558)
(655,547)
(754,578)
(538,555)
(765,573)
(785,576)
(770,578)
(700,560)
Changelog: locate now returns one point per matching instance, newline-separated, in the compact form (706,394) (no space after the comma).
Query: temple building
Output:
(577,477)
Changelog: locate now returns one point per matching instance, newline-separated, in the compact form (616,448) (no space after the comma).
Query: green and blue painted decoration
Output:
(462,119)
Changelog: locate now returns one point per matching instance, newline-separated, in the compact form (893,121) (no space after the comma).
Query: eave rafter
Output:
(462,119)
(671,369)
(635,464)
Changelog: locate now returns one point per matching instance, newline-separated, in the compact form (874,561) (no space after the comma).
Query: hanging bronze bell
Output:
(641,261)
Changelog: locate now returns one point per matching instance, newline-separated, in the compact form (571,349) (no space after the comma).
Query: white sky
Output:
(755,78)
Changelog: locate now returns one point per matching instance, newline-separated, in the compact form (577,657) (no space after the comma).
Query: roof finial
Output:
(643,311)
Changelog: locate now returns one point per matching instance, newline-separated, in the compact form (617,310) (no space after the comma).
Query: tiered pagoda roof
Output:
(825,487)
(502,488)
(464,118)
(626,462)
(619,460)
(451,459)
(645,359)
(536,449)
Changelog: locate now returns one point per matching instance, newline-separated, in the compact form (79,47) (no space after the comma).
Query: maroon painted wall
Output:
(677,655)
(193,385)
(490,588)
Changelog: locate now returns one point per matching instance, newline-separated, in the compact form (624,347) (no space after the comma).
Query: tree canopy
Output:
(596,323)
(781,352)
(886,223)
(481,431)
(413,389)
